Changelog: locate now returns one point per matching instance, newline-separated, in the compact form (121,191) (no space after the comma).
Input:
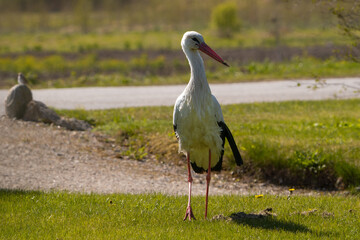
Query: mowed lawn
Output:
(62,215)
(308,142)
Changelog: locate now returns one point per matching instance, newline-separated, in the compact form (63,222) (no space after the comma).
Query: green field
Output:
(52,51)
(155,40)
(61,215)
(90,70)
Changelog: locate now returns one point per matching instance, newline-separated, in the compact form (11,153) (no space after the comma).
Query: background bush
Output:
(224,19)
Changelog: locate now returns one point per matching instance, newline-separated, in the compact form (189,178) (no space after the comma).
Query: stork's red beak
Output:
(207,50)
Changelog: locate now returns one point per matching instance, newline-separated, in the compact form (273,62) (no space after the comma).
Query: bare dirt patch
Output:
(37,156)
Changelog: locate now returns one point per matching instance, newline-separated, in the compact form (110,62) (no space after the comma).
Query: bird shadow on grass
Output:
(271,223)
(268,220)
(18,192)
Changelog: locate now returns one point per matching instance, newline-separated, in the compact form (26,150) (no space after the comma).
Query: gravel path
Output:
(36,156)
(115,97)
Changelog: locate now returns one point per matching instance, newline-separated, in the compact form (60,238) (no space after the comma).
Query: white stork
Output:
(198,121)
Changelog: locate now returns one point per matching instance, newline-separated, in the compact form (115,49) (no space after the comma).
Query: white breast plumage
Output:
(198,130)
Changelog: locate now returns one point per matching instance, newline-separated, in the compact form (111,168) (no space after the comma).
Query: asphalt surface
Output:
(118,97)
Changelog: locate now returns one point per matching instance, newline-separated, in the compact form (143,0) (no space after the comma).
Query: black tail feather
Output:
(232,143)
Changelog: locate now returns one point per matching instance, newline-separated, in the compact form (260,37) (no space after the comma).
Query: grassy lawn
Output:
(61,215)
(20,42)
(310,143)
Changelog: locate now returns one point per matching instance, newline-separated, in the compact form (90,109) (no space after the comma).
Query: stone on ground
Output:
(16,101)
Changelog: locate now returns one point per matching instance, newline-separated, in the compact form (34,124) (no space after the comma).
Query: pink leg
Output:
(208,178)
(189,212)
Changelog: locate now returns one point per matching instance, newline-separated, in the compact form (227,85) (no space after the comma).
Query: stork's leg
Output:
(208,178)
(189,212)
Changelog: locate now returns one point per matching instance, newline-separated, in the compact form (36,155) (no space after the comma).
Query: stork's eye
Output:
(195,39)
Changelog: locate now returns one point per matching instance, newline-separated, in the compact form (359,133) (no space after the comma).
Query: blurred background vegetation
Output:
(124,15)
(62,43)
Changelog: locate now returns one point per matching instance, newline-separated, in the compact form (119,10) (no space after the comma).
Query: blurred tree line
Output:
(112,15)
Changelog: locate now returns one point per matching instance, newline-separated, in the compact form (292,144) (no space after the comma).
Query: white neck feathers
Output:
(198,82)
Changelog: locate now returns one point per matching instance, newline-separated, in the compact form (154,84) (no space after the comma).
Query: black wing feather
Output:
(230,138)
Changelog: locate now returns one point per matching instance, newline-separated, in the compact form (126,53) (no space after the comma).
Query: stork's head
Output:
(194,41)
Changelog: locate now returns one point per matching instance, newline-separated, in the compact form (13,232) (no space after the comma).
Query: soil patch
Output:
(38,156)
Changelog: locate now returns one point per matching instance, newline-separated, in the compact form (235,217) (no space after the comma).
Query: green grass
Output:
(61,215)
(296,68)
(310,143)
(20,42)
(90,70)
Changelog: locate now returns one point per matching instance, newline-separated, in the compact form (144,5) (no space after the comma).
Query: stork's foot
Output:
(189,214)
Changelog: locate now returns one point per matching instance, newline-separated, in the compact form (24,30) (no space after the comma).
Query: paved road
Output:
(117,97)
